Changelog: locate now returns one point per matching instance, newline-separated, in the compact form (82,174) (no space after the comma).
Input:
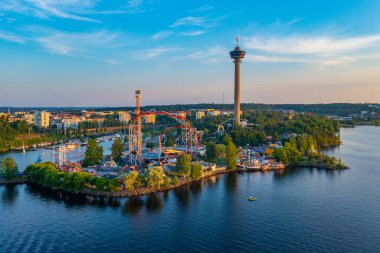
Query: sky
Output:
(98,52)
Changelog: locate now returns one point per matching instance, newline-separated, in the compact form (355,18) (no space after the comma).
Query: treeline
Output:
(47,174)
(340,109)
(15,134)
(301,151)
(270,126)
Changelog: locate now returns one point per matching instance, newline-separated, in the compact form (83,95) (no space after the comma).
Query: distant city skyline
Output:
(97,53)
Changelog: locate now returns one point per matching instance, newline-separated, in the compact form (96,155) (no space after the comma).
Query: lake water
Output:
(29,157)
(298,210)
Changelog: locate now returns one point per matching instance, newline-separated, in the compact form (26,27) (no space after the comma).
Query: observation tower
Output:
(237,55)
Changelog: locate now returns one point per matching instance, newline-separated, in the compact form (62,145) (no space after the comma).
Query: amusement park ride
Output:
(190,136)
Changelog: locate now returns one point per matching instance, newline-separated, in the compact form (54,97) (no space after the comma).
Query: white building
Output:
(42,119)
(72,123)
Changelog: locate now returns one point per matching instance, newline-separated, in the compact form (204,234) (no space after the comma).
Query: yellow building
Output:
(42,119)
(199,115)
(150,119)
(124,117)
(213,113)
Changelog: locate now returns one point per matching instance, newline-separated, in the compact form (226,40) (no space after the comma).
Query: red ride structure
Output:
(190,137)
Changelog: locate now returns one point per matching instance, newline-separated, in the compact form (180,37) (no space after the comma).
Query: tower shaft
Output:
(237,93)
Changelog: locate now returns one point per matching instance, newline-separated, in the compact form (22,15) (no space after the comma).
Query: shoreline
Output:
(88,192)
(14,181)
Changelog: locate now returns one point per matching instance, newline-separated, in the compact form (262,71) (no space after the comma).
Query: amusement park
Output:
(150,156)
(173,149)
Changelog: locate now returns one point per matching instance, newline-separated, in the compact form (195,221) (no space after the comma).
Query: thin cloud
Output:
(310,45)
(214,54)
(192,21)
(67,9)
(62,43)
(322,50)
(203,8)
(111,61)
(155,52)
(192,33)
(162,35)
(274,59)
(12,37)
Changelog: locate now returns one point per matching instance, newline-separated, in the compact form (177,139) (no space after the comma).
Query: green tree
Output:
(230,153)
(9,168)
(166,181)
(280,154)
(183,164)
(117,150)
(131,180)
(113,185)
(156,177)
(93,154)
(79,179)
(211,151)
(169,140)
(196,170)
(101,183)
(175,181)
(292,151)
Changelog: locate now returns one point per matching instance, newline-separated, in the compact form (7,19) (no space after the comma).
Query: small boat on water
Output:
(17,149)
(252,167)
(251,199)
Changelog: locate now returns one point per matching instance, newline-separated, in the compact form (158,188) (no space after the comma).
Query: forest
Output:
(270,126)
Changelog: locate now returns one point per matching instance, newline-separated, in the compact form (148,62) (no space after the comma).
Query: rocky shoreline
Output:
(147,190)
(123,193)
(17,180)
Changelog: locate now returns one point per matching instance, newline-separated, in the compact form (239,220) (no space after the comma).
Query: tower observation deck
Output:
(237,54)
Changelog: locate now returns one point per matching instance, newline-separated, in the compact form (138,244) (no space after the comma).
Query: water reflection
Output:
(9,194)
(298,171)
(182,195)
(133,206)
(196,188)
(231,181)
(213,180)
(153,202)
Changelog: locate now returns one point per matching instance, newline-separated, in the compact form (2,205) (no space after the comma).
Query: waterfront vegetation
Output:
(19,133)
(303,136)
(117,149)
(8,168)
(93,154)
(231,153)
(274,125)
(47,174)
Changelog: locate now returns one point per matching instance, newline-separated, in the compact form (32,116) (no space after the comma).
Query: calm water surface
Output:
(299,210)
(24,159)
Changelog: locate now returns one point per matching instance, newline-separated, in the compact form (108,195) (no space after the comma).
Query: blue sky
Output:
(96,53)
